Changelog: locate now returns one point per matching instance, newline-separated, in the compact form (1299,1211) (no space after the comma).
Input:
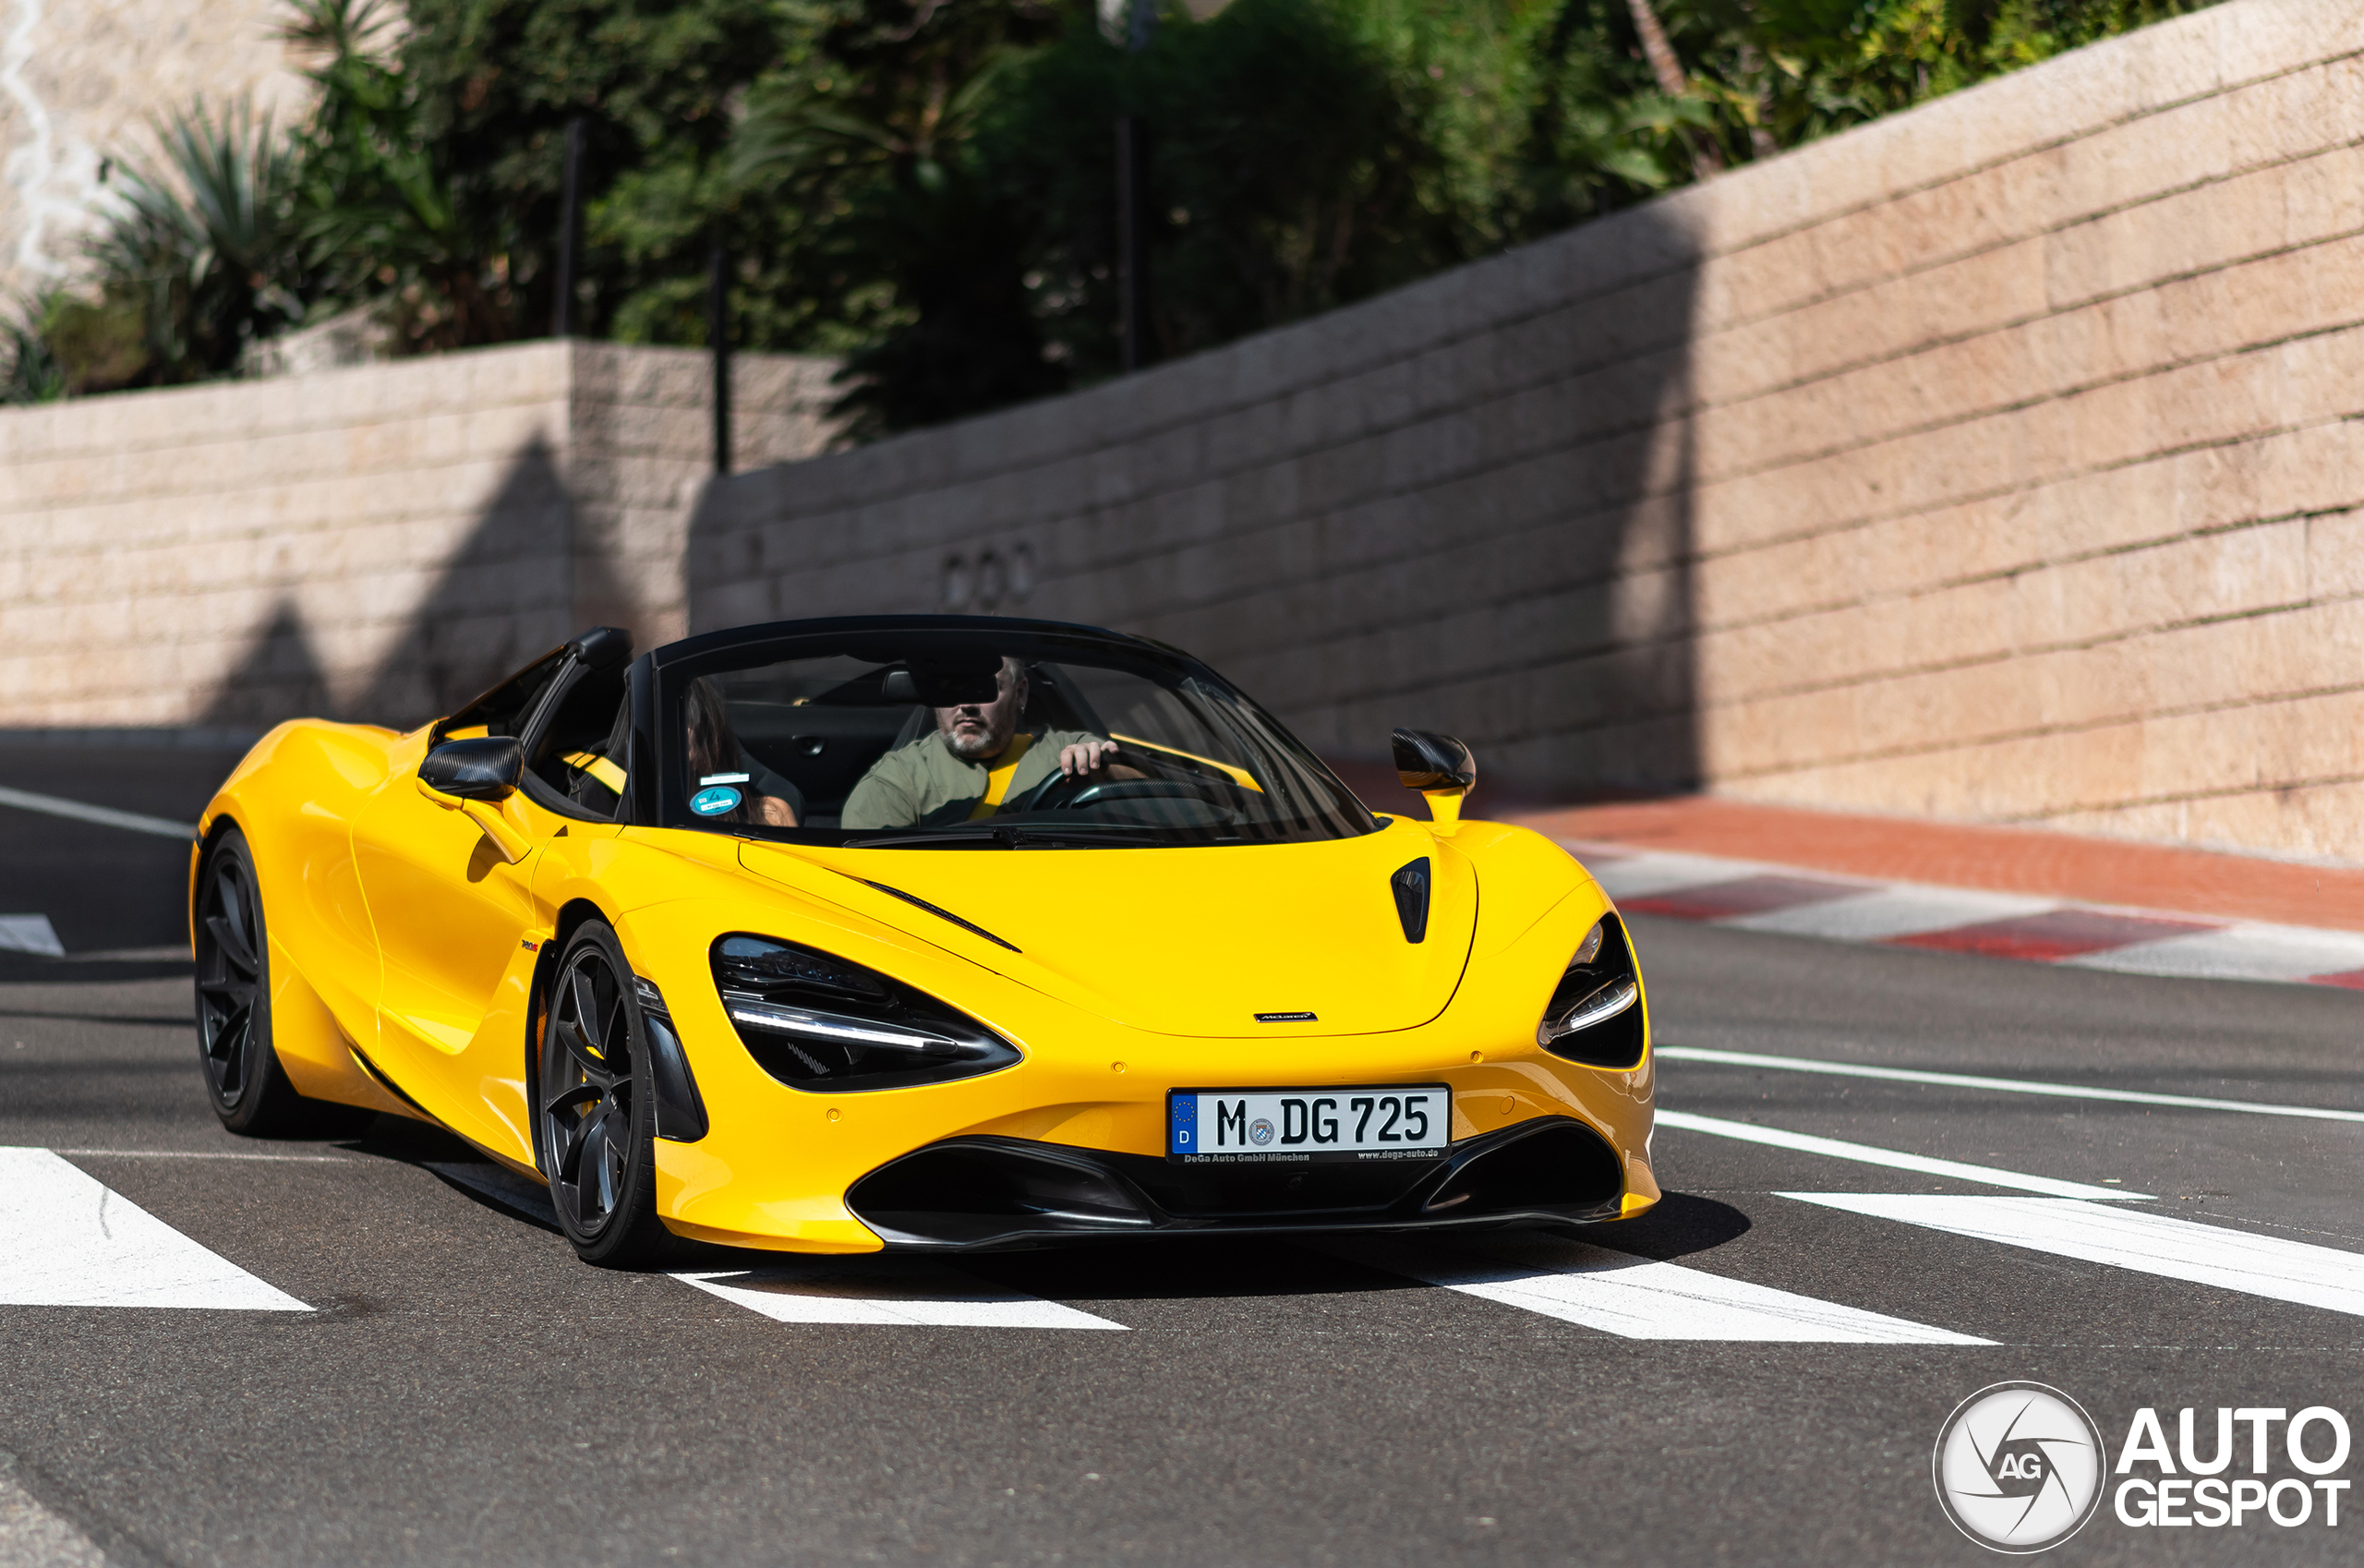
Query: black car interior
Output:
(824,742)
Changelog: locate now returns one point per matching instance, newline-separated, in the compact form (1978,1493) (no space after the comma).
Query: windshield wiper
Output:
(1008,836)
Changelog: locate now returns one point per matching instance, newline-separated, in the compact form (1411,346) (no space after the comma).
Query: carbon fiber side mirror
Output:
(488,768)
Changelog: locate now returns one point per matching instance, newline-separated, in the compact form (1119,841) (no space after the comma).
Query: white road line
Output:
(2005,1085)
(1895,1159)
(887,1292)
(105,816)
(178,950)
(200,1154)
(2130,1238)
(67,1241)
(1641,1298)
(2249,951)
(29,933)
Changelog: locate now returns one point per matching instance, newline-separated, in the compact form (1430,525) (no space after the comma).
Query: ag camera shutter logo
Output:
(2019,1467)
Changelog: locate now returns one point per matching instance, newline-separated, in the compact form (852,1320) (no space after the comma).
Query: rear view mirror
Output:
(1440,767)
(486,768)
(945,682)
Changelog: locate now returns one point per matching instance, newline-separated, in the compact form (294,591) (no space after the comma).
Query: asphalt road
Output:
(464,1391)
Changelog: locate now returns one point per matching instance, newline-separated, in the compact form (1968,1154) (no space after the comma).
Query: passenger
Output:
(975,762)
(718,758)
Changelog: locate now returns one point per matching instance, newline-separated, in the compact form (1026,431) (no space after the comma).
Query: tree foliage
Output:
(386,213)
(928,187)
(1308,152)
(195,261)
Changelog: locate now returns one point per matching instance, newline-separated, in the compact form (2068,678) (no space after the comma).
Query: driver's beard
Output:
(979,748)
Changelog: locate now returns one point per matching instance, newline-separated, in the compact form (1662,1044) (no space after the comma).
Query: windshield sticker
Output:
(724,778)
(715,801)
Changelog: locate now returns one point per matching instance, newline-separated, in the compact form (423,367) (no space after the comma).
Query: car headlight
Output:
(1592,1016)
(816,1021)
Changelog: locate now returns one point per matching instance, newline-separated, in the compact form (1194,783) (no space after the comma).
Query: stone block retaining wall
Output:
(378,542)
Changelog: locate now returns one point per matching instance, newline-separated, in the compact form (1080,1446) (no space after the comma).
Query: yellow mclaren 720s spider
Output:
(923,933)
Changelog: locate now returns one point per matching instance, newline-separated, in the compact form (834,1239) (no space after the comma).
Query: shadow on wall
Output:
(280,677)
(1549,618)
(1490,532)
(509,593)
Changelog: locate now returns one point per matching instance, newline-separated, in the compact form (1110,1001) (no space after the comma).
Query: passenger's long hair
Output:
(714,745)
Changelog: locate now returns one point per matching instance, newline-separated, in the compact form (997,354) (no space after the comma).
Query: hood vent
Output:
(970,926)
(1411,888)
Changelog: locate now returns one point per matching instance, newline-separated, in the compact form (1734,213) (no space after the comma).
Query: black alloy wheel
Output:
(595,1122)
(248,1089)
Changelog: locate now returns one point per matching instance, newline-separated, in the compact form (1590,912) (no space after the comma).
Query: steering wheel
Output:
(1059,788)
(1061,791)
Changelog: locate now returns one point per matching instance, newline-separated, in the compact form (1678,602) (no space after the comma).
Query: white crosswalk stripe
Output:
(874,1290)
(29,933)
(887,1292)
(2272,1267)
(1642,1298)
(66,1241)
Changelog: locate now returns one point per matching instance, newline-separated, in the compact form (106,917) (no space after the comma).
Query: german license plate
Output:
(1391,1121)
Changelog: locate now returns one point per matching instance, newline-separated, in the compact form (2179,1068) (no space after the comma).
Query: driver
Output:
(973,760)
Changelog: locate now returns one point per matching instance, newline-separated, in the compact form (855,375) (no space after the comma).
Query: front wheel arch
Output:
(262,1102)
(594,1111)
(200,855)
(571,917)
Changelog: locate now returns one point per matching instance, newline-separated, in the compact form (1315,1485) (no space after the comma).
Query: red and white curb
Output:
(1753,896)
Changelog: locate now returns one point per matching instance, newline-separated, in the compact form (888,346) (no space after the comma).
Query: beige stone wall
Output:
(378,542)
(80,80)
(2026,486)
(2000,461)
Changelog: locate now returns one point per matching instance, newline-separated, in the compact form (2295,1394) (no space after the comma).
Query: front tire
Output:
(595,1114)
(245,1084)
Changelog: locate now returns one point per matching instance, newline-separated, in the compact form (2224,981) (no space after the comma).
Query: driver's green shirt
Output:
(924,785)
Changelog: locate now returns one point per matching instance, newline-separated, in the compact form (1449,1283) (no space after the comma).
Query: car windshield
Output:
(1027,738)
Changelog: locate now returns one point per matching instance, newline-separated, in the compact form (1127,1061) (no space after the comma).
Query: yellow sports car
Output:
(917,932)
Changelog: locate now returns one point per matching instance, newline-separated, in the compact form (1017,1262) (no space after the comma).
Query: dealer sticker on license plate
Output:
(1391,1121)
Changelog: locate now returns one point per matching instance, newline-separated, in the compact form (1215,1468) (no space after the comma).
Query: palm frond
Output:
(338,28)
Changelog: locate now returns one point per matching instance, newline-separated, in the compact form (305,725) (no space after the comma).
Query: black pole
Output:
(1132,204)
(570,231)
(1132,248)
(717,336)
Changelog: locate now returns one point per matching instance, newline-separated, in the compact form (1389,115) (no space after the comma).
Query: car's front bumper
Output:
(979,1194)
